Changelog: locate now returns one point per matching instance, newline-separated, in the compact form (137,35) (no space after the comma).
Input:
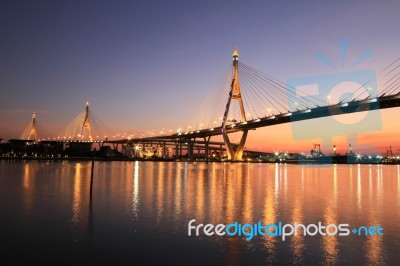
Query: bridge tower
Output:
(85,130)
(234,95)
(32,130)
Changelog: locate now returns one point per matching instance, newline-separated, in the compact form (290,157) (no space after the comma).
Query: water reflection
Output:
(80,194)
(374,251)
(29,188)
(135,195)
(359,194)
(77,199)
(297,241)
(178,197)
(270,212)
(161,189)
(158,199)
(330,242)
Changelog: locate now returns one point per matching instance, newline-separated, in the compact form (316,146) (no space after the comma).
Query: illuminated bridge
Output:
(250,100)
(270,102)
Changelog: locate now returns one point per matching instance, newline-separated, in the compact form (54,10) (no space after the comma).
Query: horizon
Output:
(153,65)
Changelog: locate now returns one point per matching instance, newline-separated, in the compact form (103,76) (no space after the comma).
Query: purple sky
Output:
(147,65)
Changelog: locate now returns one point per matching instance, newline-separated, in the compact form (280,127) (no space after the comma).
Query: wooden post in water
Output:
(91,176)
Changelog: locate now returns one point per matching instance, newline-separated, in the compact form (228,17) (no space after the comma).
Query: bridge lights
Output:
(328,99)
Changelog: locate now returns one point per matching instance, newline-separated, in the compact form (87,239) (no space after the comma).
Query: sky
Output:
(148,65)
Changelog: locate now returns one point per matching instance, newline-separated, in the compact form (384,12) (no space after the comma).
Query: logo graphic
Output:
(339,95)
(280,230)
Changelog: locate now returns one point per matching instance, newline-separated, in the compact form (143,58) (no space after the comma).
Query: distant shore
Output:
(302,161)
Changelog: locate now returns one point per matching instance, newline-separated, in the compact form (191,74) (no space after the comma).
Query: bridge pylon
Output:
(85,129)
(32,131)
(234,95)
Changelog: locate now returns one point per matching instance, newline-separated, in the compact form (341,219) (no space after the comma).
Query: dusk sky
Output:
(148,65)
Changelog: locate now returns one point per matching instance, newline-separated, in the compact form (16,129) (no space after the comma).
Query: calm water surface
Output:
(140,211)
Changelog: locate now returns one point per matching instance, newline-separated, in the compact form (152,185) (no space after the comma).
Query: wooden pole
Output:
(91,180)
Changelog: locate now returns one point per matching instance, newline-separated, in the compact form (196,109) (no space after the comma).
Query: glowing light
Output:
(328,99)
(235,53)
(306,111)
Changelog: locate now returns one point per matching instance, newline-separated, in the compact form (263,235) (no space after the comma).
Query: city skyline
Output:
(147,67)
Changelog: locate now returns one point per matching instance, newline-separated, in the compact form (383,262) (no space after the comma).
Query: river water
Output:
(139,212)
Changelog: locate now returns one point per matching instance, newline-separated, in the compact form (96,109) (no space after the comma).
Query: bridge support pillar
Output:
(206,148)
(206,152)
(165,149)
(176,149)
(190,146)
(234,95)
(85,132)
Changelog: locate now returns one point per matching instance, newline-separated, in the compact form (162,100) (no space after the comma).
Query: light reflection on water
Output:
(139,206)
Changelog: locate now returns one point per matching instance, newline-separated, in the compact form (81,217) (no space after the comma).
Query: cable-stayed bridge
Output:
(250,100)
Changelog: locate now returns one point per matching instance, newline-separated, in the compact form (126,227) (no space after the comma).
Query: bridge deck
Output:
(355,106)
